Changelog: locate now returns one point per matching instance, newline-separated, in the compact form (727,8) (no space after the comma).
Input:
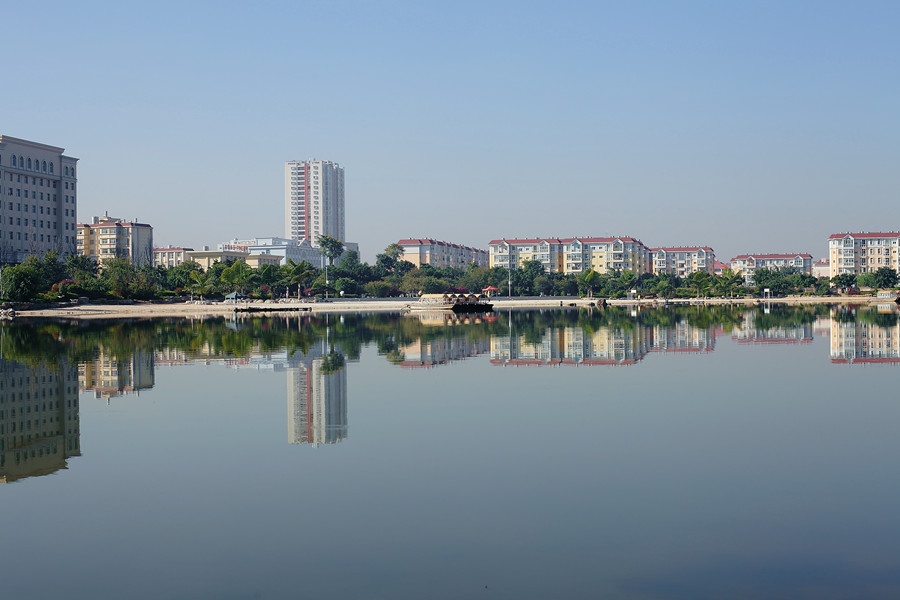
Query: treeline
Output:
(50,279)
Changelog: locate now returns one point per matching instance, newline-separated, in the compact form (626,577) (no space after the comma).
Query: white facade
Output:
(170,256)
(37,189)
(313,200)
(281,247)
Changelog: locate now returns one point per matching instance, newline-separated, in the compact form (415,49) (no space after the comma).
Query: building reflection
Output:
(864,340)
(573,346)
(39,424)
(789,333)
(110,376)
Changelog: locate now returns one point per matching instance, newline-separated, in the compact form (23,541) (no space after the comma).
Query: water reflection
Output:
(39,427)
(44,364)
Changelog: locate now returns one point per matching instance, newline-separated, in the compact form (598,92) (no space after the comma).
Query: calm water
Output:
(648,455)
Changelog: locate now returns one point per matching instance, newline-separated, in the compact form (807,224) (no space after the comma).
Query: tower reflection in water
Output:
(39,425)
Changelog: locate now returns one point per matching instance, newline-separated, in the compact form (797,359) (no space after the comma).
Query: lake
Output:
(620,453)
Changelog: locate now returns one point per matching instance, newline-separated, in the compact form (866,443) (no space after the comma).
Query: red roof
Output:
(431,242)
(873,234)
(743,256)
(683,249)
(583,240)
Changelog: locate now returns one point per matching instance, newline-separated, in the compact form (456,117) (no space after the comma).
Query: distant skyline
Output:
(747,127)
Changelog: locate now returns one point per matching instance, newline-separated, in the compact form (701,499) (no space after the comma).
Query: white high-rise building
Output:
(37,212)
(313,200)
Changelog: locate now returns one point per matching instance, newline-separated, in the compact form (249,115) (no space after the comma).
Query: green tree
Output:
(331,248)
(866,280)
(885,277)
(844,280)
(701,282)
(299,274)
(238,275)
(21,282)
(728,281)
(587,282)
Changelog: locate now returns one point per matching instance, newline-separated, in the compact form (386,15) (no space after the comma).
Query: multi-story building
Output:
(229,253)
(106,238)
(682,260)
(426,251)
(748,263)
(862,252)
(39,201)
(282,248)
(313,200)
(170,256)
(573,255)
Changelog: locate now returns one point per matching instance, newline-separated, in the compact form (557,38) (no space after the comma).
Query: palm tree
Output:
(239,275)
(728,281)
(700,281)
(298,274)
(203,283)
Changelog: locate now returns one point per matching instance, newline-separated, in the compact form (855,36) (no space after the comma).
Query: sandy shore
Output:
(148,310)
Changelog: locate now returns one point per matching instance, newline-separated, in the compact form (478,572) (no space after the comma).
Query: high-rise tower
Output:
(313,200)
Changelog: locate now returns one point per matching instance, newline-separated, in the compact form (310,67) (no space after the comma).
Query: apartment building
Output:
(682,260)
(748,263)
(106,238)
(858,253)
(37,200)
(573,255)
(170,256)
(426,251)
(228,253)
(313,200)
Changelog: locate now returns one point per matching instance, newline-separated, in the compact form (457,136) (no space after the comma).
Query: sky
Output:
(749,127)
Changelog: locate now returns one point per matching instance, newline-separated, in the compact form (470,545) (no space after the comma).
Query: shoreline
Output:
(218,309)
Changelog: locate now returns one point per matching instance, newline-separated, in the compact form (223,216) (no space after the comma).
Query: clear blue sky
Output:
(748,127)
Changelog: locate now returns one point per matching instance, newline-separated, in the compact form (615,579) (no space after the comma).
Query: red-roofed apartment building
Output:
(748,263)
(425,251)
(682,260)
(573,255)
(862,252)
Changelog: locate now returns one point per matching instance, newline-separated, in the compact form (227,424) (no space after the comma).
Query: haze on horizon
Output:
(758,127)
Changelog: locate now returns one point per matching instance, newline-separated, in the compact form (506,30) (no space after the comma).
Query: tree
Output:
(885,277)
(21,282)
(866,280)
(331,248)
(728,281)
(394,251)
(701,281)
(844,280)
(587,281)
(238,275)
(299,274)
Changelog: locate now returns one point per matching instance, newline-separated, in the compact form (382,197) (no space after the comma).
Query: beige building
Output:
(229,253)
(573,255)
(748,263)
(426,251)
(106,238)
(37,199)
(682,260)
(858,253)
(170,256)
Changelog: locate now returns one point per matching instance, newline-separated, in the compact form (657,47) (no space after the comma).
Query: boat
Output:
(458,303)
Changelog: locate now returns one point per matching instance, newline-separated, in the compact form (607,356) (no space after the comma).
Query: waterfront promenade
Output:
(146,310)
